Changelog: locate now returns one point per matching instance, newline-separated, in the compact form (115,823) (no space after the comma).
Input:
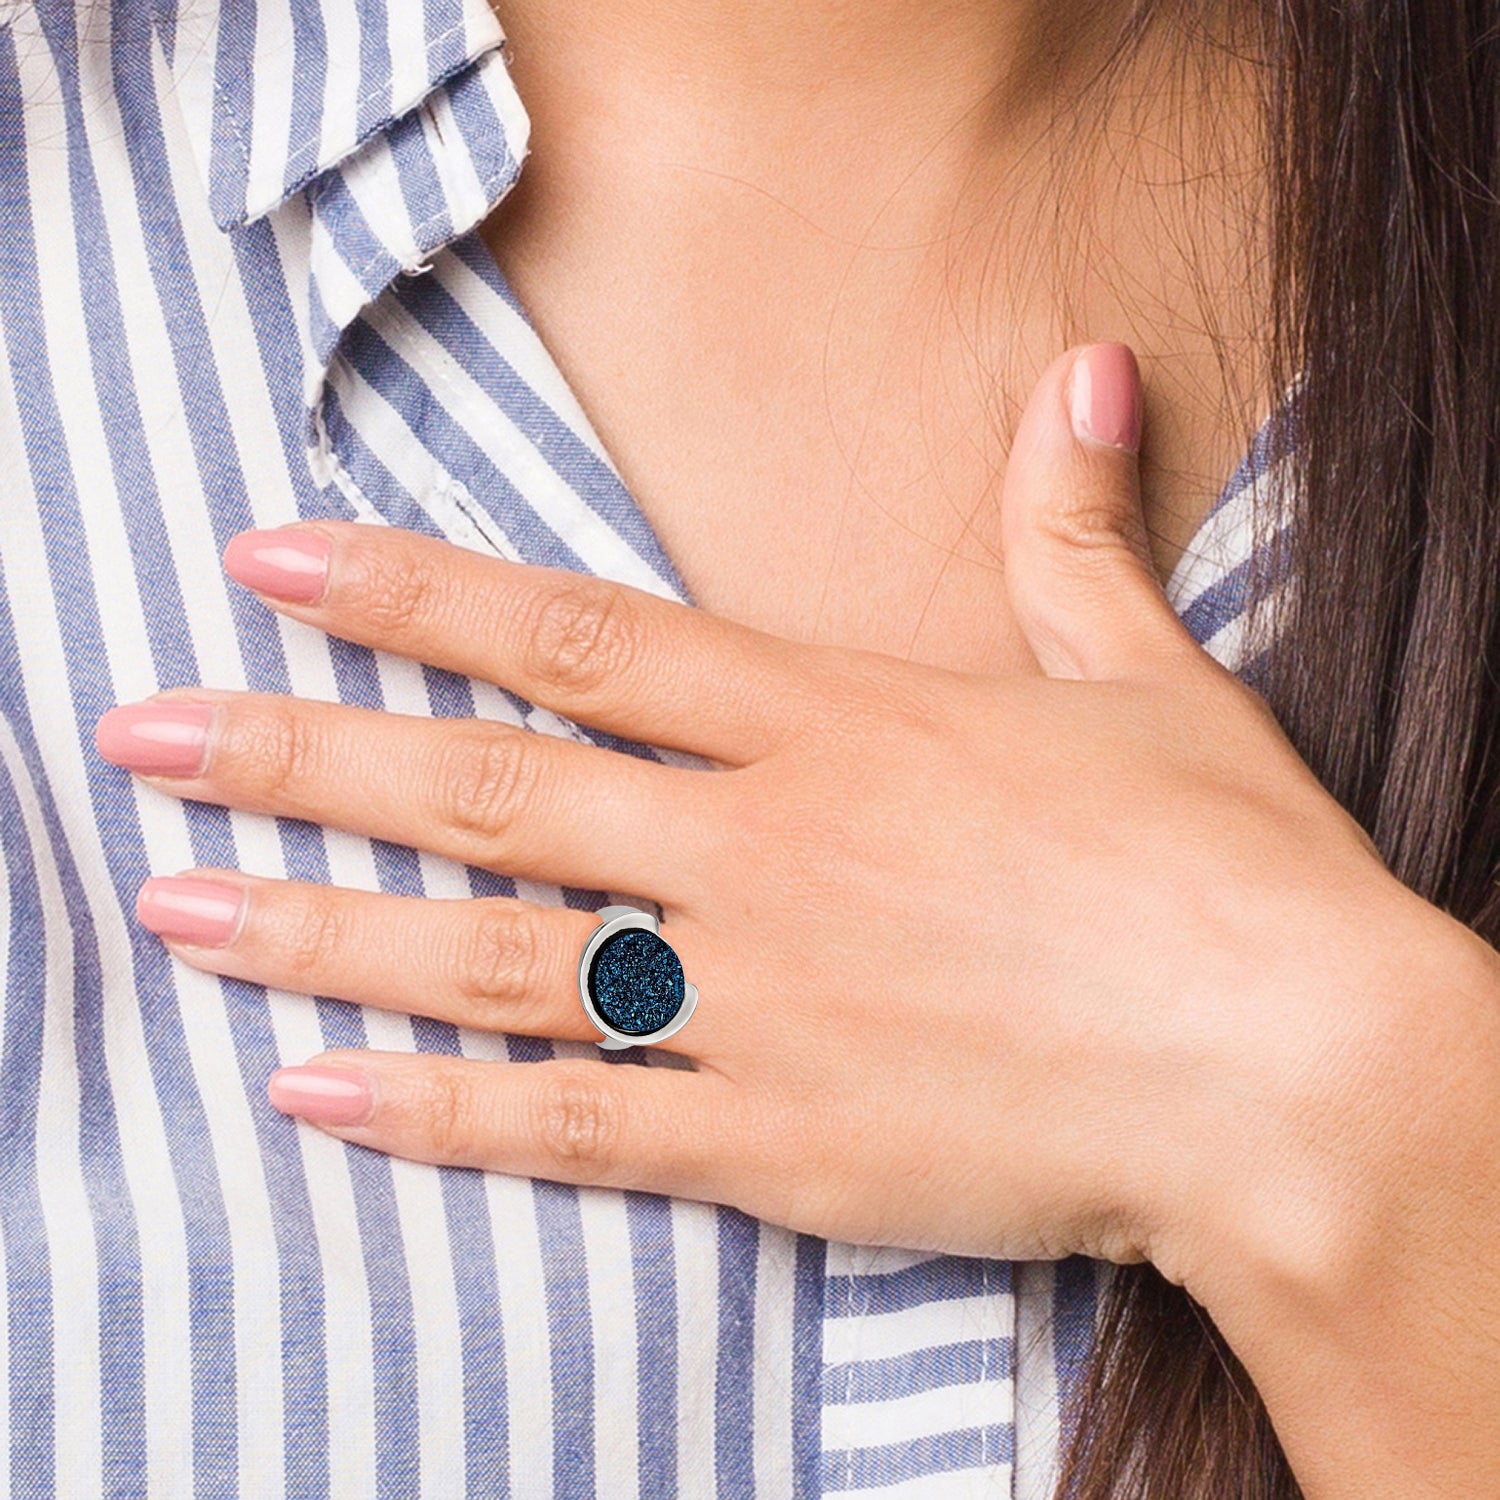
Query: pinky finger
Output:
(575,1120)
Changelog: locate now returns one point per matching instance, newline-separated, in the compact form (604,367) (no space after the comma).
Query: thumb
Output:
(1077,565)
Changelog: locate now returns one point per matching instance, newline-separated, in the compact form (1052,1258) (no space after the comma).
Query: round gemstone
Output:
(636,981)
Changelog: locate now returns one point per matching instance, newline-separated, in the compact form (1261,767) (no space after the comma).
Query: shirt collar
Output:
(278,92)
(368,133)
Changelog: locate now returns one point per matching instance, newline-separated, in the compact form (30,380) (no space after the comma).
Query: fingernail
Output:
(322,1096)
(205,912)
(1105,396)
(156,739)
(288,564)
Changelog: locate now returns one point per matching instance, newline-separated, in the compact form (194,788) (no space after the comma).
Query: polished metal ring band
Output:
(631,982)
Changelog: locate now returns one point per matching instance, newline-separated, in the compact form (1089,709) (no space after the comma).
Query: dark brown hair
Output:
(1383,145)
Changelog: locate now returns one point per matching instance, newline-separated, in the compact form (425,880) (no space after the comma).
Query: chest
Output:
(893,545)
(827,463)
(806,353)
(889,542)
(894,548)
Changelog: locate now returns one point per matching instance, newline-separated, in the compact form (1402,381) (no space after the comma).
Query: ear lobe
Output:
(1077,561)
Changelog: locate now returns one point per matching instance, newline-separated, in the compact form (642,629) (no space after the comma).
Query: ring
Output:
(631,982)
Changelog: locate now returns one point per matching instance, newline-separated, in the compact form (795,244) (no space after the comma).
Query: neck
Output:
(886,64)
(864,227)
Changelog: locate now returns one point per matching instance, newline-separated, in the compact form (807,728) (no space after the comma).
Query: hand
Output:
(1017,967)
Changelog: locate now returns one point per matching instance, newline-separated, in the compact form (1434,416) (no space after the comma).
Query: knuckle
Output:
(1088,527)
(899,702)
(314,931)
(271,750)
(865,699)
(487,781)
(577,1118)
(844,687)
(451,1118)
(396,591)
(503,954)
(582,637)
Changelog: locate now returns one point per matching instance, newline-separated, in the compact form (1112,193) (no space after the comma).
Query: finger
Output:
(593,650)
(1077,563)
(576,1120)
(493,964)
(488,794)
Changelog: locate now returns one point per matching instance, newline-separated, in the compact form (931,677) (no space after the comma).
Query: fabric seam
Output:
(487,186)
(383,124)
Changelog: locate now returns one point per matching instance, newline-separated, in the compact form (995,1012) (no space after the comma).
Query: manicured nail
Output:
(205,912)
(288,564)
(1105,399)
(322,1096)
(156,739)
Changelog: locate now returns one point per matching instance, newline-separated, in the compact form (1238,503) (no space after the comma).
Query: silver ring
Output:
(632,986)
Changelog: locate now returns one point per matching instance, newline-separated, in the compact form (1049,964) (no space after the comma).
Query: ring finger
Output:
(492,963)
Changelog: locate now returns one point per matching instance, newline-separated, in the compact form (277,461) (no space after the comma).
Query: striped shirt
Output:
(240,284)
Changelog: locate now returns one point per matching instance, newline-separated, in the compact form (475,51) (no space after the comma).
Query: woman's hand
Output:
(1082,960)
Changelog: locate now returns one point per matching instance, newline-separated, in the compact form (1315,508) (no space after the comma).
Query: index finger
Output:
(600,652)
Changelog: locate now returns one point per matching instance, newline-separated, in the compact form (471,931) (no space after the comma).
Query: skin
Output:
(839,357)
(1183,1011)
(1186,1013)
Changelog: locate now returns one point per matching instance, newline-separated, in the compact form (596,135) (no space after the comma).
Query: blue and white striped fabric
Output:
(239,285)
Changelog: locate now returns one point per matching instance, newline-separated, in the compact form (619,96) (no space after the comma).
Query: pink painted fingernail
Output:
(205,912)
(156,739)
(322,1096)
(290,563)
(1105,396)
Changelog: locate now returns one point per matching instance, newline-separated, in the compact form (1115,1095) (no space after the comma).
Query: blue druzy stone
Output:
(636,982)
